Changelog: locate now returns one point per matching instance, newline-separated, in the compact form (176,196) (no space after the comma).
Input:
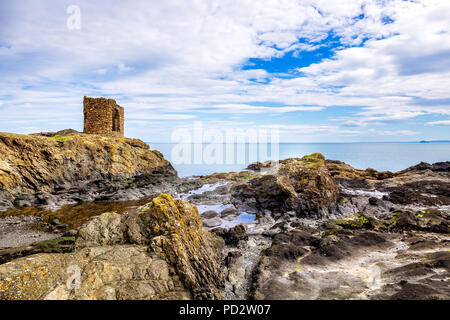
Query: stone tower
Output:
(103,116)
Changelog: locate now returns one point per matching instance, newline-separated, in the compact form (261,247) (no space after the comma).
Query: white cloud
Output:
(393,132)
(123,68)
(244,108)
(170,59)
(438,123)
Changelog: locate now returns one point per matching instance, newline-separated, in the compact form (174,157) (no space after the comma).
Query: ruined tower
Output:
(103,116)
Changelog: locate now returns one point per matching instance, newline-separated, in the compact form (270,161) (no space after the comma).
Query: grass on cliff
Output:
(314,160)
(61,139)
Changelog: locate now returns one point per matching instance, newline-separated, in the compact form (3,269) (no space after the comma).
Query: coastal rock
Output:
(424,192)
(50,171)
(421,185)
(437,167)
(303,185)
(424,220)
(341,170)
(211,223)
(209,214)
(358,257)
(159,252)
(229,212)
(233,235)
(258,166)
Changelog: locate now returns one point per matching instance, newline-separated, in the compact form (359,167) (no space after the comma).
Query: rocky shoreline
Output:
(51,170)
(303,228)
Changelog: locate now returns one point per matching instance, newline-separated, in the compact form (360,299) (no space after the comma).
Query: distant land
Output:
(435,141)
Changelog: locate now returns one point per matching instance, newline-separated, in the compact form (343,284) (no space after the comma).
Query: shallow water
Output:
(374,193)
(243,217)
(75,215)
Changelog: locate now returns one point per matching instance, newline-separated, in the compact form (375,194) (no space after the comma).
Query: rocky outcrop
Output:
(159,252)
(341,170)
(423,185)
(55,170)
(436,167)
(303,185)
(358,257)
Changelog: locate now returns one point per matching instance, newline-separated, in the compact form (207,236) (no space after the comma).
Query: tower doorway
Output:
(116,121)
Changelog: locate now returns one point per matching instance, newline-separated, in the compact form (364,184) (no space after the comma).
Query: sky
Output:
(318,70)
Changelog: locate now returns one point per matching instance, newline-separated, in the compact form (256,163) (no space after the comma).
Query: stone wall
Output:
(103,116)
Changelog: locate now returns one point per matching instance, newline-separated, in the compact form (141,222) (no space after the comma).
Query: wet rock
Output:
(211,223)
(232,258)
(270,233)
(375,201)
(55,222)
(5,205)
(236,234)
(289,246)
(222,190)
(236,271)
(45,199)
(251,207)
(71,233)
(209,214)
(266,220)
(28,201)
(228,212)
(56,245)
(424,192)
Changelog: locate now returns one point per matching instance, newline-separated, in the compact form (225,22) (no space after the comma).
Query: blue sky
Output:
(320,71)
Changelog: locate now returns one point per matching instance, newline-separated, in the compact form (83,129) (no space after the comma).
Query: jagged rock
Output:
(159,252)
(375,201)
(233,235)
(438,167)
(50,171)
(236,234)
(424,184)
(302,185)
(425,192)
(257,166)
(424,220)
(341,170)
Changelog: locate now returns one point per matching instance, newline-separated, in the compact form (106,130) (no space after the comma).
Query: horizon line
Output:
(418,141)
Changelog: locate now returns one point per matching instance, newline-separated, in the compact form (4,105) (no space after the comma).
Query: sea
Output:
(204,159)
